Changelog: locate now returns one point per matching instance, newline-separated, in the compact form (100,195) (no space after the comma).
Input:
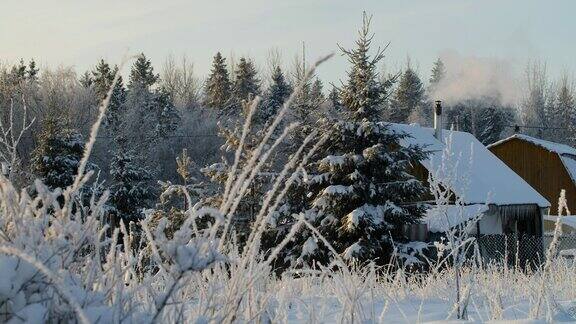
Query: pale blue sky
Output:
(79,32)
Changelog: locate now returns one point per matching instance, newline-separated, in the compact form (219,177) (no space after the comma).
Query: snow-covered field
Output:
(62,267)
(60,261)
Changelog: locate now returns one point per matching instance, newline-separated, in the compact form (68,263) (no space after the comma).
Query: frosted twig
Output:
(256,154)
(238,153)
(95,128)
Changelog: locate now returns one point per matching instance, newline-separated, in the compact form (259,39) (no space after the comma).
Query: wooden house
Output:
(483,183)
(548,167)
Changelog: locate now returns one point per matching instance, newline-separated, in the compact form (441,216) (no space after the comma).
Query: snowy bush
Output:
(62,262)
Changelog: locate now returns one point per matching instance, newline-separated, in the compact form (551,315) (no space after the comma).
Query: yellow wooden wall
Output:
(542,169)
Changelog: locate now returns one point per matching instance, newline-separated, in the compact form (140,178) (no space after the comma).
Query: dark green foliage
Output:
(32,72)
(246,84)
(19,71)
(276,94)
(316,95)
(358,193)
(130,191)
(154,114)
(357,190)
(334,99)
(363,94)
(57,155)
(217,91)
(302,108)
(438,73)
(86,80)
(102,79)
(409,99)
(485,118)
(142,74)
(493,122)
(168,117)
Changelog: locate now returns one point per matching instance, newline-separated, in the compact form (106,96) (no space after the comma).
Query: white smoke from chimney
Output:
(472,77)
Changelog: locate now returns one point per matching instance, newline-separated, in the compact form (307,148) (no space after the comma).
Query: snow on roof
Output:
(443,218)
(569,220)
(566,153)
(570,165)
(481,177)
(550,146)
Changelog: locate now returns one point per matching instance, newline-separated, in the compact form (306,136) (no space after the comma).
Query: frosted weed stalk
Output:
(60,263)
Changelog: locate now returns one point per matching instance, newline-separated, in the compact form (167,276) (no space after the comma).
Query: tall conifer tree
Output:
(408,102)
(130,191)
(246,83)
(277,93)
(438,73)
(142,73)
(57,155)
(358,192)
(217,91)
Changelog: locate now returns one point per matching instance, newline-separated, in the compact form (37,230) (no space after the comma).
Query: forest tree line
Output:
(166,124)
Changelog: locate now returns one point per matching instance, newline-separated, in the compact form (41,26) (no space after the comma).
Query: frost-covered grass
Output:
(61,262)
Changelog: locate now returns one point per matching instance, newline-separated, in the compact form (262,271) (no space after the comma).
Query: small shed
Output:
(547,166)
(509,205)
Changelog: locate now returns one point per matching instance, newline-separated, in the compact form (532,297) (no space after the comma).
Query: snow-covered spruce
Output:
(358,191)
(360,198)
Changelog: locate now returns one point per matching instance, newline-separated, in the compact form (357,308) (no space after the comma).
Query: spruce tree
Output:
(218,173)
(32,73)
(302,109)
(358,191)
(334,100)
(217,91)
(246,84)
(486,118)
(18,73)
(58,153)
(363,94)
(316,93)
(102,79)
(493,121)
(130,191)
(86,79)
(438,73)
(168,117)
(148,118)
(154,114)
(116,109)
(334,97)
(408,103)
(276,94)
(142,73)
(459,117)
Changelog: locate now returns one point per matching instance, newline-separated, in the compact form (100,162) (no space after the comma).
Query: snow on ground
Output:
(497,298)
(443,218)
